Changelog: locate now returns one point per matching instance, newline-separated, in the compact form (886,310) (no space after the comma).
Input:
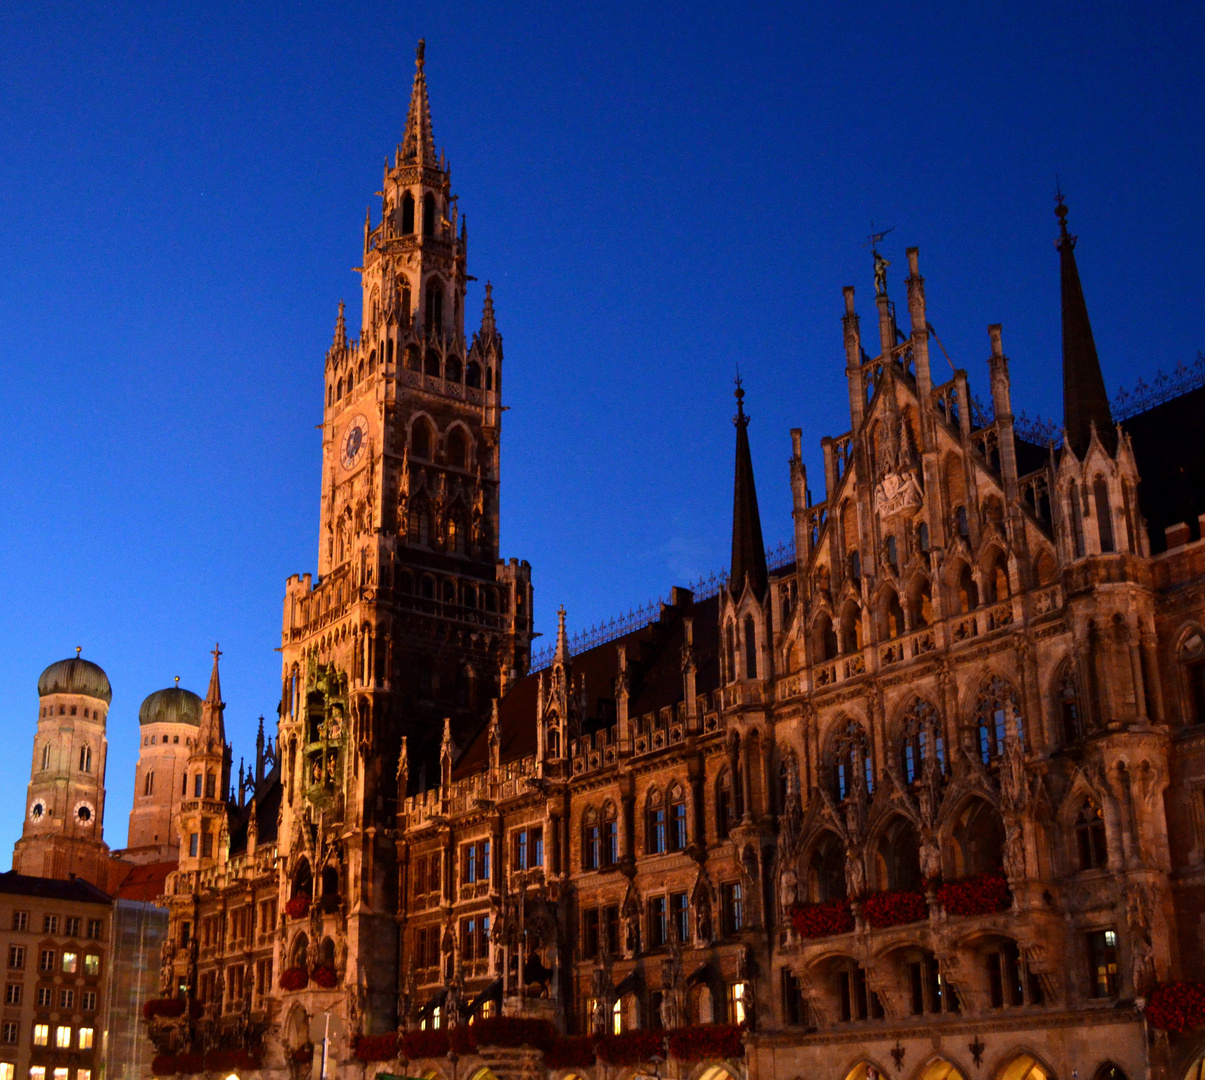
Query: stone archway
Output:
(940,1069)
(1024,1067)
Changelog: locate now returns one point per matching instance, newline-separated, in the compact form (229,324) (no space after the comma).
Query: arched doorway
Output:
(1025,1067)
(716,1072)
(866,1070)
(940,1069)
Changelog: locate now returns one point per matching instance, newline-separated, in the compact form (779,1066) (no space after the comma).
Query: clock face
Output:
(84,812)
(36,811)
(354,443)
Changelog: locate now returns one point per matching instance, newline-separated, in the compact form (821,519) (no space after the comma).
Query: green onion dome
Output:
(75,676)
(173,705)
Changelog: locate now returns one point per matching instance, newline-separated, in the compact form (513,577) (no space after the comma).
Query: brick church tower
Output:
(413,620)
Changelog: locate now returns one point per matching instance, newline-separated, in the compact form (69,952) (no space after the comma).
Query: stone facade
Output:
(924,800)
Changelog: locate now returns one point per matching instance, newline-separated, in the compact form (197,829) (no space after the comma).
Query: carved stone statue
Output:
(880,275)
(930,857)
(598,1019)
(855,872)
(1014,848)
(669,1010)
(788,891)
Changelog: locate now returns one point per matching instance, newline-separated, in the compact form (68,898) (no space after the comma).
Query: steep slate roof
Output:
(748,547)
(1169,448)
(654,657)
(1085,402)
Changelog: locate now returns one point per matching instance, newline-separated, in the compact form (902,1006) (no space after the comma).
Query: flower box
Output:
(630,1048)
(298,907)
(1178,1006)
(705,1041)
(375,1047)
(424,1044)
(189,1063)
(163,1007)
(984,894)
(575,1052)
(512,1031)
(294,978)
(227,1060)
(894,907)
(822,920)
(324,977)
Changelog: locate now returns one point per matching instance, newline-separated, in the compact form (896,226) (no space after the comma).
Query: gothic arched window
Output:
(893,614)
(610,835)
(826,869)
(968,591)
(978,840)
(420,440)
(1192,664)
(435,305)
(148,783)
(407,214)
(452,368)
(893,559)
(921,738)
(750,648)
(850,761)
(724,805)
(677,819)
(1090,837)
(655,824)
(991,716)
(472,375)
(85,759)
(458,449)
(824,637)
(428,214)
(730,641)
(1104,514)
(591,840)
(1069,716)
(1077,520)
(46,756)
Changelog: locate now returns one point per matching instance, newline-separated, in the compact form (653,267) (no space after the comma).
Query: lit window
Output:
(41,1034)
(60,1073)
(7,1070)
(70,963)
(62,1036)
(736,1003)
(617,1018)
(83,1074)
(37,1072)
(91,964)
(85,1038)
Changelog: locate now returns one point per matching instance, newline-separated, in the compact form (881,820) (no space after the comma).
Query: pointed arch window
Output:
(1192,664)
(1104,514)
(991,715)
(452,368)
(407,214)
(750,648)
(428,214)
(435,305)
(46,756)
(210,786)
(730,642)
(655,838)
(1069,716)
(893,558)
(85,759)
(922,740)
(472,375)
(824,637)
(922,537)
(420,440)
(677,819)
(148,784)
(725,815)
(591,840)
(1077,520)
(851,762)
(962,523)
(1090,837)
(610,835)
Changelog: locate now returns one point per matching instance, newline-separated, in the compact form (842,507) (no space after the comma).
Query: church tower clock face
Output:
(354,442)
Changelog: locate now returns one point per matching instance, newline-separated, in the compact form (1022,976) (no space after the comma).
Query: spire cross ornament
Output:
(873,239)
(216,652)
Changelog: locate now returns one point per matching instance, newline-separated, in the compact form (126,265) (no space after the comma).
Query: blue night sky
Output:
(658,192)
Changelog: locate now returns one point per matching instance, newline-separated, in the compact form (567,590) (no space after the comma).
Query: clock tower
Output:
(413,619)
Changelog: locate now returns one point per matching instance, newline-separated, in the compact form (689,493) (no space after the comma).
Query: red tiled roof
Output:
(145,883)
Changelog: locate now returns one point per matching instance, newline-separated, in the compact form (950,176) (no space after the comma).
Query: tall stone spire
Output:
(418,143)
(1085,402)
(212,732)
(340,341)
(488,326)
(748,548)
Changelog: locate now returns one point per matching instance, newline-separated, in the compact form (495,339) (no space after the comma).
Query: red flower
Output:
(511,1031)
(630,1048)
(1178,1006)
(189,1063)
(576,1052)
(163,1007)
(299,906)
(894,907)
(705,1041)
(424,1044)
(294,978)
(375,1047)
(324,977)
(822,920)
(984,894)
